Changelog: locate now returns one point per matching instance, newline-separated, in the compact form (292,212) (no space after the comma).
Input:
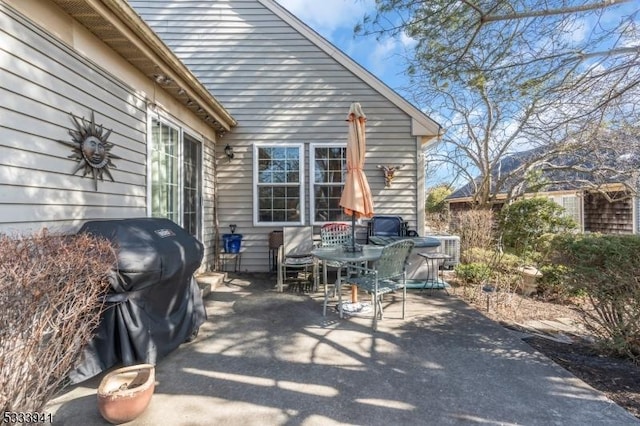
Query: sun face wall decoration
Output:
(91,149)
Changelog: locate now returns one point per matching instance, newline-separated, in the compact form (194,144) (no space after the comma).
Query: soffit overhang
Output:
(123,30)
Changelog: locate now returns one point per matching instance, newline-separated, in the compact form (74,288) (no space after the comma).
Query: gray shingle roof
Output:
(564,172)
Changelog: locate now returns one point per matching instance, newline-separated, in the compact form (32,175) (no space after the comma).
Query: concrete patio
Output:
(268,358)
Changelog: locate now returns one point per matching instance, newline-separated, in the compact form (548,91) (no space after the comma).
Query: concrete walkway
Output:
(267,358)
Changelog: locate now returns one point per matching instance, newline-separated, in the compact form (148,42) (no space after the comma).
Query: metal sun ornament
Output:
(91,149)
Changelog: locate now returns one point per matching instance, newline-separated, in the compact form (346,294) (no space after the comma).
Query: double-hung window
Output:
(328,173)
(572,208)
(175,169)
(278,176)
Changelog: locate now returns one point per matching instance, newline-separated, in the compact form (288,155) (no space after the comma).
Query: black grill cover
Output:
(154,304)
(387,226)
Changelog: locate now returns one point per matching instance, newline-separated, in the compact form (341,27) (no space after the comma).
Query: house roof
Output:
(422,124)
(565,178)
(119,26)
(507,165)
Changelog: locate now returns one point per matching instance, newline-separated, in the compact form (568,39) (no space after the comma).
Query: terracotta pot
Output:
(124,393)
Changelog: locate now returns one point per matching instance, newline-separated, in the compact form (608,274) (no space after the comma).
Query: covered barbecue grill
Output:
(154,304)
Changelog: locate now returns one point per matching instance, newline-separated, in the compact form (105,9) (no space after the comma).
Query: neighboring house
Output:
(290,91)
(99,62)
(589,208)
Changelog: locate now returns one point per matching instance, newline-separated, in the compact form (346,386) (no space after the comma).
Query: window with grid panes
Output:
(328,172)
(572,209)
(278,177)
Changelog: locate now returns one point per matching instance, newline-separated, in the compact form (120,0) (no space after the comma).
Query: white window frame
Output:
(312,182)
(300,184)
(563,200)
(576,215)
(154,115)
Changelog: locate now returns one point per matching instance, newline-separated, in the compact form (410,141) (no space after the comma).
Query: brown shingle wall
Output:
(608,218)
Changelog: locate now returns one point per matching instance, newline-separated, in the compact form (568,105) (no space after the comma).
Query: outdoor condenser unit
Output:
(450,245)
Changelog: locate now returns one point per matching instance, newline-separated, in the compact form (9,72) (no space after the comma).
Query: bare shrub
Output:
(475,228)
(438,222)
(51,291)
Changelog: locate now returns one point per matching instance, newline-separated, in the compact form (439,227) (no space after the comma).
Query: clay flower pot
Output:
(124,393)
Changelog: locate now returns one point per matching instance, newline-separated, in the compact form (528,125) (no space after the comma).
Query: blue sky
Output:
(335,20)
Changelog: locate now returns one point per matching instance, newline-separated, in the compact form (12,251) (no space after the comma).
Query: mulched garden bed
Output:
(618,378)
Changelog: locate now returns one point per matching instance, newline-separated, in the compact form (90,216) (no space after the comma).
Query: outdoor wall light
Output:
(229,152)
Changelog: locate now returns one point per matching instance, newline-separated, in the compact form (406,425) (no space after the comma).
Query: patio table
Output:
(369,253)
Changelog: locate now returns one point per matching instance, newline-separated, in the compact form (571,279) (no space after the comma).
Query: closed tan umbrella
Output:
(356,197)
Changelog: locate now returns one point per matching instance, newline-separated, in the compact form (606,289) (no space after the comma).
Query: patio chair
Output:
(295,254)
(333,234)
(387,275)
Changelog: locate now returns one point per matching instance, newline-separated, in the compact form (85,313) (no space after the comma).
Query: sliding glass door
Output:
(191,187)
(176,170)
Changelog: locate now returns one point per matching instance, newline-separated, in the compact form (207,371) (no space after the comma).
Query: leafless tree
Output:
(558,77)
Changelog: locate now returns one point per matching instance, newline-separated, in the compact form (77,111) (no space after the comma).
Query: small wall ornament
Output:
(91,149)
(389,173)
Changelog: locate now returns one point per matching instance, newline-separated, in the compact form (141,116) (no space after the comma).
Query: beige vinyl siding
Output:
(42,82)
(281,87)
(208,198)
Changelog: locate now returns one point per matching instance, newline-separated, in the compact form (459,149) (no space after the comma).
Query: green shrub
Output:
(552,285)
(526,225)
(477,254)
(473,273)
(607,269)
(498,261)
(436,199)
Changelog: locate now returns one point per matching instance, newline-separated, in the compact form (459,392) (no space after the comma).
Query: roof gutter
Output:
(119,14)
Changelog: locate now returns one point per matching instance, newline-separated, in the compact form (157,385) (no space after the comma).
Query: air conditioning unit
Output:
(450,245)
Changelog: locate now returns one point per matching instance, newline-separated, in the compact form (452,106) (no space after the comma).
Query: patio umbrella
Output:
(356,195)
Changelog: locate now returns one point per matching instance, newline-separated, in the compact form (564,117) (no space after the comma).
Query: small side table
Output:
(236,258)
(434,282)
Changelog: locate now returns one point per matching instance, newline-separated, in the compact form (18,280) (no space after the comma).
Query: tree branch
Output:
(550,12)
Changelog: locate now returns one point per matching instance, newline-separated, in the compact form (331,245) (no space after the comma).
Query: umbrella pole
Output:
(354,288)
(353,232)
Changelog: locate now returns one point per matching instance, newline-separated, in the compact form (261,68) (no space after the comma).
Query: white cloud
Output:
(381,55)
(335,21)
(579,30)
(327,16)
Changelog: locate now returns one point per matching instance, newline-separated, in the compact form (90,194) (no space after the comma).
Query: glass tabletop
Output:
(339,254)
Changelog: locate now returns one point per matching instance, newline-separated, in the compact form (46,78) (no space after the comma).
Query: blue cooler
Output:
(232,242)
